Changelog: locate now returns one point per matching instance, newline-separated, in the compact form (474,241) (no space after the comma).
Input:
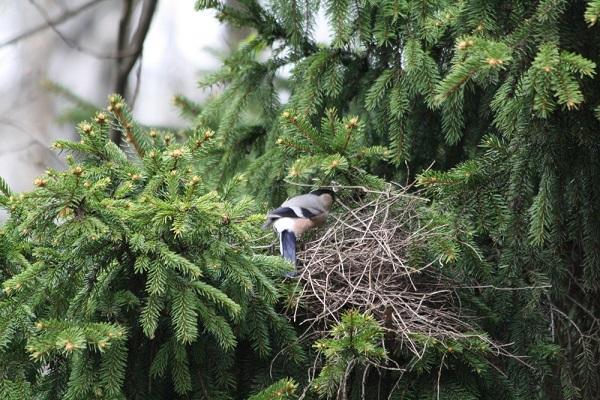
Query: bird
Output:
(297,215)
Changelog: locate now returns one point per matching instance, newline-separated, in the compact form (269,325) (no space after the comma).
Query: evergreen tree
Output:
(127,277)
(501,95)
(139,269)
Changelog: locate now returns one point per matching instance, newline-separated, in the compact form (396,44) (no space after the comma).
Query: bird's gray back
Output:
(309,201)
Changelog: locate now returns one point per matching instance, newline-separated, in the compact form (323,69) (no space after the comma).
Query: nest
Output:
(367,258)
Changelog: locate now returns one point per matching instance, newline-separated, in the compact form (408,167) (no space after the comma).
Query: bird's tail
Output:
(287,241)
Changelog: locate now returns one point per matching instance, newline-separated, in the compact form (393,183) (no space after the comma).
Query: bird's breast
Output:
(319,219)
(296,225)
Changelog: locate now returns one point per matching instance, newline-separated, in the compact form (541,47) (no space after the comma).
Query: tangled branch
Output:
(368,259)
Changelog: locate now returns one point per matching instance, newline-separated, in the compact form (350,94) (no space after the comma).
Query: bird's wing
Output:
(293,212)
(307,201)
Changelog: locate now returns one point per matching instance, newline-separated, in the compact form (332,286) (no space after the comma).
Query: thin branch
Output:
(51,22)
(123,35)
(136,46)
(137,41)
(439,377)
(124,25)
(76,46)
(138,81)
(501,288)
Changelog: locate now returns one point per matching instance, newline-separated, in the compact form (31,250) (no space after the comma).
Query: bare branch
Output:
(76,46)
(135,47)
(70,42)
(122,39)
(506,289)
(124,25)
(137,40)
(138,81)
(51,22)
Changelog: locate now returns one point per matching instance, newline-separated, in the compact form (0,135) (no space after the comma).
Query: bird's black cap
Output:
(319,192)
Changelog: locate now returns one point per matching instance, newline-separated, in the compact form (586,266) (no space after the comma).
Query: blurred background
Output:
(75,43)
(55,51)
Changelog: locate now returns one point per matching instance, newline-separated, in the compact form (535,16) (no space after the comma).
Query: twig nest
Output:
(367,258)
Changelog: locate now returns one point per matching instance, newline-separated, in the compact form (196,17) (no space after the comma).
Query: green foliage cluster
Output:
(138,267)
(502,96)
(127,277)
(333,153)
(355,343)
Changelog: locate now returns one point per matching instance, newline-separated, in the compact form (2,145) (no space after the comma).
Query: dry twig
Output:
(362,261)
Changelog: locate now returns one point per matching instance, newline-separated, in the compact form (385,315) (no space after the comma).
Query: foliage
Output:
(333,153)
(501,95)
(354,343)
(282,389)
(127,268)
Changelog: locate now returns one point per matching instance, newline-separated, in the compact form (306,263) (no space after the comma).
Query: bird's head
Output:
(327,196)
